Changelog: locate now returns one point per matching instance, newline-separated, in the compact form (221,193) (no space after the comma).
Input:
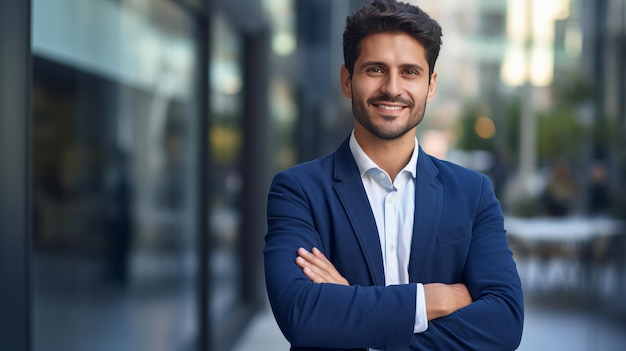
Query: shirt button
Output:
(392,247)
(381,175)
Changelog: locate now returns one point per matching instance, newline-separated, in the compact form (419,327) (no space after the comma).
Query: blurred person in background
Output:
(561,190)
(120,217)
(599,198)
(379,245)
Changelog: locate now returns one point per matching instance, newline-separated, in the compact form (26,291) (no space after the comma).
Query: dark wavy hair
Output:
(390,16)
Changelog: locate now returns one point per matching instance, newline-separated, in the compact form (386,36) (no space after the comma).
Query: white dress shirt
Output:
(393,205)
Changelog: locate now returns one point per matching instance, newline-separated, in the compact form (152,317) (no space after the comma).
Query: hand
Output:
(443,299)
(318,268)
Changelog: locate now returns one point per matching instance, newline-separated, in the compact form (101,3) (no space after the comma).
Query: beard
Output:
(390,130)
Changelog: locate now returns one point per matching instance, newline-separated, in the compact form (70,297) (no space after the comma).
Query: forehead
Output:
(392,48)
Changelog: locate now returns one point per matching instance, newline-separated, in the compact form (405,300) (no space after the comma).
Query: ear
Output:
(346,84)
(432,87)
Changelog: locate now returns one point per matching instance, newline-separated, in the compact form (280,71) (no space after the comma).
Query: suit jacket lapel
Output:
(354,200)
(428,206)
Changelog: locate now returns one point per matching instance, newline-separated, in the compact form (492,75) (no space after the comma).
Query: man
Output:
(379,245)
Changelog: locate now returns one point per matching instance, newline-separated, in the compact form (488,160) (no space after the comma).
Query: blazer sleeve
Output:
(494,321)
(325,315)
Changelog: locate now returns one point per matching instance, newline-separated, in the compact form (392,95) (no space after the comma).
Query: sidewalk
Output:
(262,334)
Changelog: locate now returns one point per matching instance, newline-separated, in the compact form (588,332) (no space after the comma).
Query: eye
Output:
(374,70)
(412,72)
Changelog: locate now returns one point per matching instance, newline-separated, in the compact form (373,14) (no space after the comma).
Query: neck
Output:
(390,155)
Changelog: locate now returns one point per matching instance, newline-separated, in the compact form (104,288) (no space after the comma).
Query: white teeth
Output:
(390,108)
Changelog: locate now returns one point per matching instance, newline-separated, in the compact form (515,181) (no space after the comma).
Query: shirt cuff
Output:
(421,320)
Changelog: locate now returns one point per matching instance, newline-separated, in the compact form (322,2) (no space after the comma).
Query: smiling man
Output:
(379,245)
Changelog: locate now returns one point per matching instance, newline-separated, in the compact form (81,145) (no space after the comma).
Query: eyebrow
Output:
(414,66)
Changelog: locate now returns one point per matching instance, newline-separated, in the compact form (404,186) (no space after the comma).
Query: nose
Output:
(391,86)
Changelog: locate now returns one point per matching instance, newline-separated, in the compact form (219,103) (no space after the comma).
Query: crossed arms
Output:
(441,299)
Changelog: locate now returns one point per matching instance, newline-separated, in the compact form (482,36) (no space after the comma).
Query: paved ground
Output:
(262,335)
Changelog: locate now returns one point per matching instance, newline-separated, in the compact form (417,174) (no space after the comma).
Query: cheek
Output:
(422,94)
(359,84)
(354,93)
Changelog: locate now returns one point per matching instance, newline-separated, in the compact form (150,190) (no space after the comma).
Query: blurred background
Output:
(138,139)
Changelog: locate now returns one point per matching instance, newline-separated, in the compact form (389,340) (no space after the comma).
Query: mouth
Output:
(388,105)
(390,108)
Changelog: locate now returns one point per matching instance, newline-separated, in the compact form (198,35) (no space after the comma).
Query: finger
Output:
(318,260)
(324,261)
(318,268)
(317,253)
(325,264)
(327,269)
(311,271)
(314,276)
(304,263)
(308,256)
(301,262)
(314,266)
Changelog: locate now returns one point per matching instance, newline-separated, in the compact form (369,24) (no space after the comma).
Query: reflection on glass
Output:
(226,141)
(114,246)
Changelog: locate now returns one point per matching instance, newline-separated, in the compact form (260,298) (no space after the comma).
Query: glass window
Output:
(114,112)
(225,144)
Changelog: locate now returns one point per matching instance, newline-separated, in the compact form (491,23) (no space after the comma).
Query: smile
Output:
(389,108)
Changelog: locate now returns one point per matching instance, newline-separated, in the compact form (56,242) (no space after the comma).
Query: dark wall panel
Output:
(14,174)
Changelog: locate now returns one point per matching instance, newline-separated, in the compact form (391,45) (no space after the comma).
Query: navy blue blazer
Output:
(458,236)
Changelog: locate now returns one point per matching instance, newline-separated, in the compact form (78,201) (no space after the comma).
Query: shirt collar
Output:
(364,163)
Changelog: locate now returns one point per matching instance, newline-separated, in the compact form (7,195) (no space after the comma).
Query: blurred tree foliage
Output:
(559,133)
(560,129)
(506,138)
(469,140)
(571,120)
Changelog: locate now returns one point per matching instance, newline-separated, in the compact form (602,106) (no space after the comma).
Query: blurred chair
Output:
(608,269)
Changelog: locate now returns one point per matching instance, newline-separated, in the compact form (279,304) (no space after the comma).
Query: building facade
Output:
(136,132)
